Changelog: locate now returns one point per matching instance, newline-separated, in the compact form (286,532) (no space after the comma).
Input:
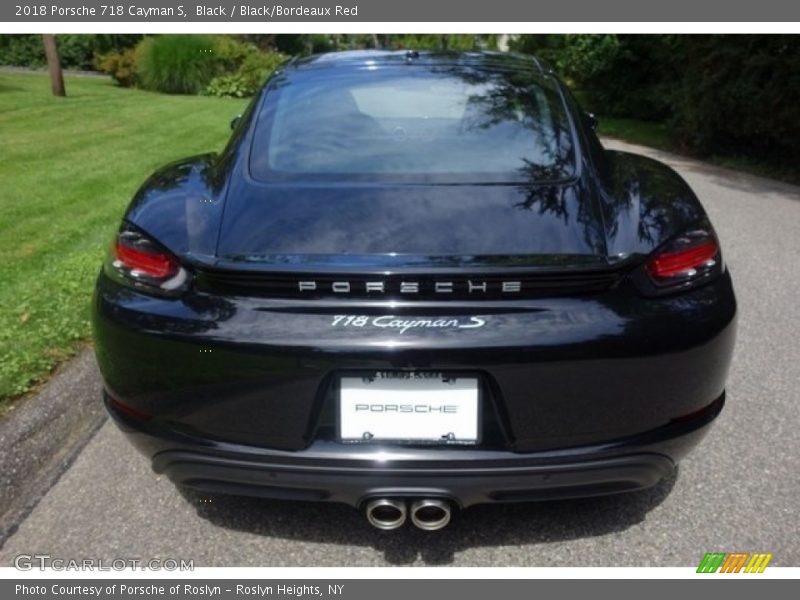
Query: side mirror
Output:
(591,118)
(235,121)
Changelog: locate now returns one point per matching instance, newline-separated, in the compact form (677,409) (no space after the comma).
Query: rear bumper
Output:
(329,471)
(555,372)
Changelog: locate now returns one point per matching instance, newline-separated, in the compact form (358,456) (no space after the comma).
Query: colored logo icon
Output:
(734,562)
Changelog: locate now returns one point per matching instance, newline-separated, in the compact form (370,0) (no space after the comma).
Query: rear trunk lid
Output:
(330,226)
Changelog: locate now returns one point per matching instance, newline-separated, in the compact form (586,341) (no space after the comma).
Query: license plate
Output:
(408,407)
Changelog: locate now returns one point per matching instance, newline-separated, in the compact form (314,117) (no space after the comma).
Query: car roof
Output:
(476,59)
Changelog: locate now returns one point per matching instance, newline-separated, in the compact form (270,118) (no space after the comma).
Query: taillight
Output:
(145,262)
(138,261)
(684,262)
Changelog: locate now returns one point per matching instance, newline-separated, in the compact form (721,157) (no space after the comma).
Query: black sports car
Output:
(413,282)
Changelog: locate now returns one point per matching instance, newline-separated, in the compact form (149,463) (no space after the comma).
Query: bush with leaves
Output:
(720,94)
(22,51)
(257,67)
(120,65)
(77,51)
(293,43)
(739,93)
(441,42)
(249,78)
(630,75)
(176,63)
(233,86)
(231,52)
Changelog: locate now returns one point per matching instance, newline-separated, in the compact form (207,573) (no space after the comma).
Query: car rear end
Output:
(411,344)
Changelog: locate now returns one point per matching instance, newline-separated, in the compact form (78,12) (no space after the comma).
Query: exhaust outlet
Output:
(430,514)
(386,513)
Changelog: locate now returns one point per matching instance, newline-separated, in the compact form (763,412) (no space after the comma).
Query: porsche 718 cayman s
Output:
(413,282)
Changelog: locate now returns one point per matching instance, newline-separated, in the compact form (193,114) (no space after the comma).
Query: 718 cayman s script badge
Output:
(402,324)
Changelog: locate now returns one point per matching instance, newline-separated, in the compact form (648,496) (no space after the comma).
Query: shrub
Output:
(625,76)
(443,42)
(257,67)
(77,51)
(232,85)
(120,65)
(293,43)
(22,51)
(176,64)
(737,93)
(720,94)
(249,78)
(231,52)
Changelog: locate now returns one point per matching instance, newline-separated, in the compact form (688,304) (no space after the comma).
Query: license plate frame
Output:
(388,377)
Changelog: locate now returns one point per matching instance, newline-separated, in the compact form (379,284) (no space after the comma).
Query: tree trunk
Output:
(54,65)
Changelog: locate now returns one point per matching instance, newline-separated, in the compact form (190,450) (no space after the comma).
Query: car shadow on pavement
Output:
(478,526)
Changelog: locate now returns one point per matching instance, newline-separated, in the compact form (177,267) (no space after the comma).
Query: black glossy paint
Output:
(236,372)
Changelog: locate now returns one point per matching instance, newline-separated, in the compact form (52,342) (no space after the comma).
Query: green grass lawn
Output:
(68,168)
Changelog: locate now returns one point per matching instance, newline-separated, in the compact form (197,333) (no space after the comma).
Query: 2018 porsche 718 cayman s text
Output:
(414,282)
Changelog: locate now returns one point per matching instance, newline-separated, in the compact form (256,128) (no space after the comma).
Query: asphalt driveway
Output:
(738,492)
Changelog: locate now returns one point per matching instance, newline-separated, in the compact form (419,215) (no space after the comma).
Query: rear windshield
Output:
(413,123)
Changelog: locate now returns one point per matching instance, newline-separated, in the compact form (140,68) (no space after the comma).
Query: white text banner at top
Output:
(119,14)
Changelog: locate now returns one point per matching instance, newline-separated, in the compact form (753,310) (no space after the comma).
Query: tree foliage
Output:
(720,94)
(78,51)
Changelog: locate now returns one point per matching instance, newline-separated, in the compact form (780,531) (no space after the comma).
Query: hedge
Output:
(720,94)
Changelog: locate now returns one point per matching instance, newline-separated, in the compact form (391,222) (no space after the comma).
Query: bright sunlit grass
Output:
(68,168)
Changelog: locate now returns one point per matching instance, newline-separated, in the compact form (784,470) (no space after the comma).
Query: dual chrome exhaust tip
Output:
(428,514)
(386,513)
